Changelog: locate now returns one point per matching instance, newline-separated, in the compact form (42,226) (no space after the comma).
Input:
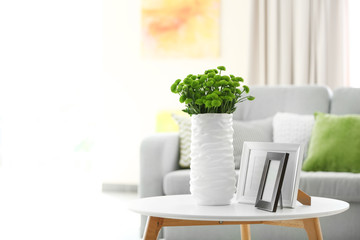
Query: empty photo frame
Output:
(271,181)
(252,165)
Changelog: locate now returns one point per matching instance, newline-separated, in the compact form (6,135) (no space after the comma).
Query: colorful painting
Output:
(181,28)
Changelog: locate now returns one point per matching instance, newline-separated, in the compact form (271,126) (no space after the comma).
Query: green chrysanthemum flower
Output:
(180,87)
(208,104)
(210,83)
(211,92)
(216,103)
(199,102)
(195,84)
(188,81)
(227,78)
(182,98)
(223,83)
(239,79)
(246,88)
(173,88)
(217,77)
(188,100)
(211,75)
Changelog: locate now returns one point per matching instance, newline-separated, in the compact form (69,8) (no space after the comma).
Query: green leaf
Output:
(222,68)
(250,98)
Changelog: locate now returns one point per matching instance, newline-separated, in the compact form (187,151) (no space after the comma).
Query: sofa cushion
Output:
(343,186)
(340,185)
(177,182)
(293,128)
(334,144)
(270,100)
(345,101)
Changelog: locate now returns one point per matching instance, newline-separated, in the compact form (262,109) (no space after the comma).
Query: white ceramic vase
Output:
(212,174)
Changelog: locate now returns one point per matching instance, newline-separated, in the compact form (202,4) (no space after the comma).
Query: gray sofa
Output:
(160,174)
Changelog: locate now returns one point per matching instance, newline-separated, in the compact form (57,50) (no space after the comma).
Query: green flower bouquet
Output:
(211,92)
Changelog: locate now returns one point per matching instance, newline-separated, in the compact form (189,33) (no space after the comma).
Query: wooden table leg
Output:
(245,232)
(313,229)
(153,226)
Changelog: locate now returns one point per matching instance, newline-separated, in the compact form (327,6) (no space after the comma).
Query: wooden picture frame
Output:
(252,165)
(271,181)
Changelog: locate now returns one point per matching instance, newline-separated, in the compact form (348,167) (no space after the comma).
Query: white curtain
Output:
(298,42)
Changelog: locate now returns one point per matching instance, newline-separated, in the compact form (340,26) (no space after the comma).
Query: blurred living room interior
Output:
(82,83)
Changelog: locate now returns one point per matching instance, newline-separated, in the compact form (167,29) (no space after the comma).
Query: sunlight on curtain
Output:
(354,43)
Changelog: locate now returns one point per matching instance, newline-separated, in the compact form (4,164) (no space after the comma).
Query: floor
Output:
(60,206)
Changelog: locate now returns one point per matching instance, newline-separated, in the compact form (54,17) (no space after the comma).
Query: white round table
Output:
(181,210)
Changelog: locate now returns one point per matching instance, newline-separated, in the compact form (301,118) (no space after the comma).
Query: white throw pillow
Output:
(293,128)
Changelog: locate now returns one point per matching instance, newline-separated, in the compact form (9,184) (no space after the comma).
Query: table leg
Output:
(245,232)
(313,229)
(153,226)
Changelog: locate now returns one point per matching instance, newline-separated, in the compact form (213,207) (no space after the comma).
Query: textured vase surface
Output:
(212,174)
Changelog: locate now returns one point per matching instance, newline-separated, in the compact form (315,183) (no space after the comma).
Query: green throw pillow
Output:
(334,144)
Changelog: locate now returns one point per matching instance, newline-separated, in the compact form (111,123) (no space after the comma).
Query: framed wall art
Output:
(180,29)
(251,168)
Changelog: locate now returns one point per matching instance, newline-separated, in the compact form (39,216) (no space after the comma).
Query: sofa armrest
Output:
(159,155)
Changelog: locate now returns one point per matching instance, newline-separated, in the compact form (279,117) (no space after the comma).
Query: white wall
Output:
(72,70)
(138,88)
(50,75)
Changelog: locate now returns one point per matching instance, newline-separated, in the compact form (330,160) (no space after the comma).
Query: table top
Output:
(184,207)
